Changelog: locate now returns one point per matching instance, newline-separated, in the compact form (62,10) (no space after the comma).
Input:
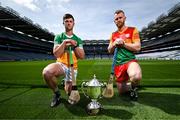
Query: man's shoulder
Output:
(76,37)
(60,34)
(131,28)
(128,28)
(115,33)
(59,37)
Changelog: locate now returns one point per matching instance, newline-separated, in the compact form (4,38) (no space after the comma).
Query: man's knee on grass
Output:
(123,87)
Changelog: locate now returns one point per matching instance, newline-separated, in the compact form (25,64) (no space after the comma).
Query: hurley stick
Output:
(74,95)
(109,91)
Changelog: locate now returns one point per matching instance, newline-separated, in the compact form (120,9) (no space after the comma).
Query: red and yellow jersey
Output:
(65,57)
(129,35)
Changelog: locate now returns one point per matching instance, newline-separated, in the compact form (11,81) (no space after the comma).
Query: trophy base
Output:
(93,108)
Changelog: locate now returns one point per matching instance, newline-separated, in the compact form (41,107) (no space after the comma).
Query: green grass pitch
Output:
(24,94)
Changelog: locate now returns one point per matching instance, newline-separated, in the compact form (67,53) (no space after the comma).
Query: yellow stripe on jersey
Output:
(65,59)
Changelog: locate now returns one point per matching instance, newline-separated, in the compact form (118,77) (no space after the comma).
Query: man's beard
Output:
(68,28)
(120,24)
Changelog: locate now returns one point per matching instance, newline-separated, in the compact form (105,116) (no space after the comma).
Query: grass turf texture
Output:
(24,94)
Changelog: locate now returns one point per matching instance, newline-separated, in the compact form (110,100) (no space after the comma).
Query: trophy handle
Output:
(83,90)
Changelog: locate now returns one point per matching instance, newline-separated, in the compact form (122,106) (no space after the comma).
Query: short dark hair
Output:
(66,16)
(119,11)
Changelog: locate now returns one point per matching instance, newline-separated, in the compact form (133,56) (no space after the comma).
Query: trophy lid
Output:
(94,82)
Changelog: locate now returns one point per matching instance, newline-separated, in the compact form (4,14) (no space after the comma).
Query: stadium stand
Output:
(21,39)
(164,55)
(161,38)
(96,49)
(19,36)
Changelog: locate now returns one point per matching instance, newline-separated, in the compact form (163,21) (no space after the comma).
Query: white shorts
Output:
(67,72)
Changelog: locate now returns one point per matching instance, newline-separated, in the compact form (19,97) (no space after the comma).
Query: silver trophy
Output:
(93,90)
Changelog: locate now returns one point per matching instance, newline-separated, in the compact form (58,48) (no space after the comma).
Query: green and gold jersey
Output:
(64,58)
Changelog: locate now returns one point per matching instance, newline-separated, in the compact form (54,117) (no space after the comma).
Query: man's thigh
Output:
(55,68)
(134,70)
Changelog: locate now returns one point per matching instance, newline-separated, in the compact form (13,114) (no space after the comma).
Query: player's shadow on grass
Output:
(117,113)
(80,110)
(117,100)
(169,103)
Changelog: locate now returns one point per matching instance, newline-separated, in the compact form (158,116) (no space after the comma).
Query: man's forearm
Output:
(79,52)
(59,50)
(133,47)
(111,48)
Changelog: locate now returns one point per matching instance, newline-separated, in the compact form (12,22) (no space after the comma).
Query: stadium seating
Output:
(21,39)
(23,56)
(165,55)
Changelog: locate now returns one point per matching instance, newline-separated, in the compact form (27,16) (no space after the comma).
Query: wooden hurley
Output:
(108,92)
(74,95)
